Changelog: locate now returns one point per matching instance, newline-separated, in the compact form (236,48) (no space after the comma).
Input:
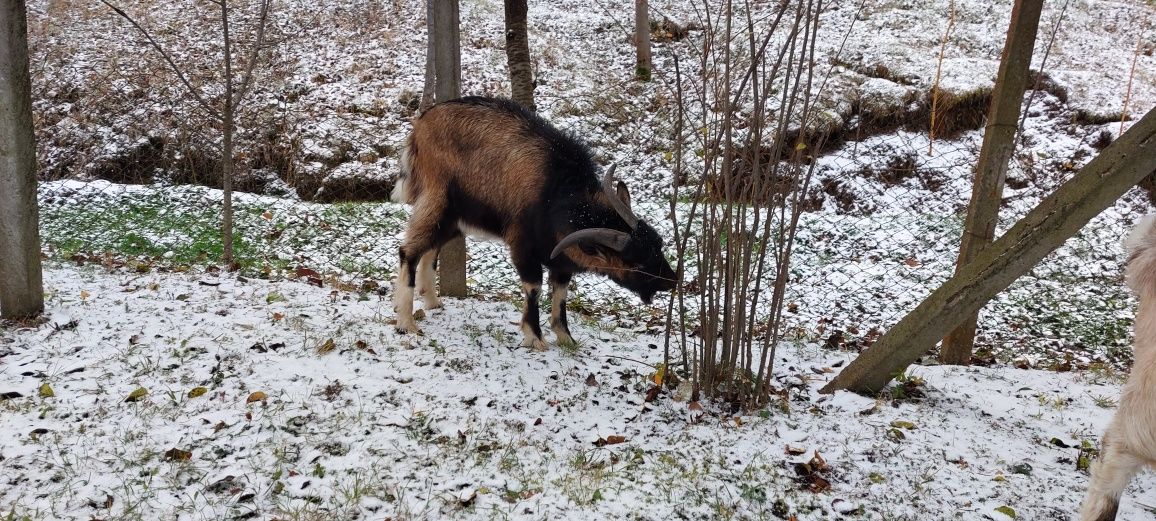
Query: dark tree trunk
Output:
(518,54)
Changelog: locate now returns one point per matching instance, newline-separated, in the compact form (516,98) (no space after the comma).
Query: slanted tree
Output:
(518,54)
(21,286)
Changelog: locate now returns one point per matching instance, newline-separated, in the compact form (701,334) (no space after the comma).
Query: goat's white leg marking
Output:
(530,326)
(426,286)
(558,321)
(403,301)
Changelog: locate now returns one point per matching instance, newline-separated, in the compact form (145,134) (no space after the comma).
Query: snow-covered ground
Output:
(354,421)
(203,396)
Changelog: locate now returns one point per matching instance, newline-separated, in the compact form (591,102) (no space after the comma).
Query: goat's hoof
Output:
(566,341)
(405,328)
(431,303)
(535,344)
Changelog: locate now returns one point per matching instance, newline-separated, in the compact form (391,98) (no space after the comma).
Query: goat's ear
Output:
(623,194)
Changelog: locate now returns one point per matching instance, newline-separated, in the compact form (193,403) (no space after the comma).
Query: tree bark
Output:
(518,54)
(227,113)
(642,67)
(991,170)
(448,71)
(427,93)
(21,283)
(1058,217)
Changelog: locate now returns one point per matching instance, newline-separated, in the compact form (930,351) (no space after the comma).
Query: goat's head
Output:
(633,260)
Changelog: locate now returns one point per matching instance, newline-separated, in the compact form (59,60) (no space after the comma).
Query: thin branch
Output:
(1042,68)
(168,59)
(251,60)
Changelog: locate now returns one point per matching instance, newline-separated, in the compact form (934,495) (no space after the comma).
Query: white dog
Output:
(1129,444)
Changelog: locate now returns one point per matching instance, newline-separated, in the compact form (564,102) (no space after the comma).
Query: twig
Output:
(168,59)
(1131,76)
(938,75)
(251,59)
(1043,65)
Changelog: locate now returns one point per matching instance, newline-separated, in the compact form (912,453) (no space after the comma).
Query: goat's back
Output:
(491,152)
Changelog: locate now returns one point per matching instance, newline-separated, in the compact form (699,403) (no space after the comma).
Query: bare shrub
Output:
(751,119)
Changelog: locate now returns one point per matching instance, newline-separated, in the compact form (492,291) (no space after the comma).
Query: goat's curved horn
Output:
(616,203)
(612,239)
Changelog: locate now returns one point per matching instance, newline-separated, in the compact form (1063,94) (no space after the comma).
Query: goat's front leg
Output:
(531,274)
(559,286)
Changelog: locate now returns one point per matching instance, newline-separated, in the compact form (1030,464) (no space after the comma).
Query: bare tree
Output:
(642,66)
(21,286)
(518,54)
(226,109)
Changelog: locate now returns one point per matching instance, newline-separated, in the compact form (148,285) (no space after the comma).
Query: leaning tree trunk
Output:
(21,288)
(1056,219)
(991,170)
(518,54)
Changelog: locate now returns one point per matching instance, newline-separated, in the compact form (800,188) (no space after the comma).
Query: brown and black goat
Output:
(486,166)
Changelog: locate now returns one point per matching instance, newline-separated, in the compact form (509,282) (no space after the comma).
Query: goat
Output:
(1129,443)
(487,166)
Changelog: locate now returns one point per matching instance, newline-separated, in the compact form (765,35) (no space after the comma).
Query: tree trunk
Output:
(448,69)
(518,54)
(991,170)
(227,144)
(642,39)
(21,286)
(427,92)
(1058,217)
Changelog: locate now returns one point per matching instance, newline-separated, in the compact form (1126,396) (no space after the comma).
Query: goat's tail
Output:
(1141,248)
(402,190)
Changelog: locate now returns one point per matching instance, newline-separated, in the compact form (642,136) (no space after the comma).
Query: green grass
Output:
(179,227)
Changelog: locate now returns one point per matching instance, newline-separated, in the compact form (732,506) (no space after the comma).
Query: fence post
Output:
(448,70)
(21,285)
(991,169)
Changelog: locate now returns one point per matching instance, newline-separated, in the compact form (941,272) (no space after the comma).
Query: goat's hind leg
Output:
(428,229)
(426,284)
(1111,473)
(558,288)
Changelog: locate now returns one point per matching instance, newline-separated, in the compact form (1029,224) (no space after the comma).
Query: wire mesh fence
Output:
(129,176)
